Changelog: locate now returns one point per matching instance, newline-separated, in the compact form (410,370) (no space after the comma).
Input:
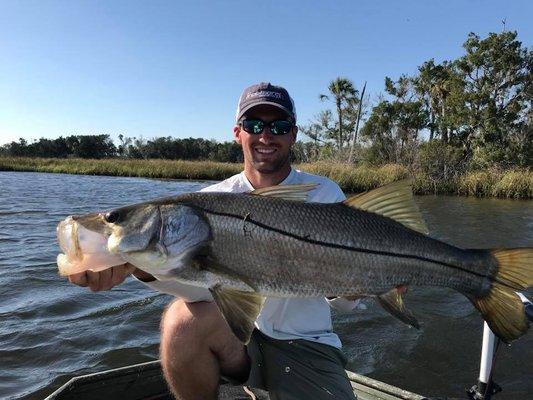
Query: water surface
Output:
(51,330)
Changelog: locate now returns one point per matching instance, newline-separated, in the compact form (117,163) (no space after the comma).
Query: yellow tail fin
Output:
(502,308)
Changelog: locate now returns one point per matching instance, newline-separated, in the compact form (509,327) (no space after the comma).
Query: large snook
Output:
(244,247)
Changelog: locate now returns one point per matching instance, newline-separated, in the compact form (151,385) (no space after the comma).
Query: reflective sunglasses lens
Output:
(280,127)
(253,126)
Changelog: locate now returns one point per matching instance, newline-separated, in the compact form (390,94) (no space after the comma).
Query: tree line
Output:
(102,146)
(472,112)
(469,113)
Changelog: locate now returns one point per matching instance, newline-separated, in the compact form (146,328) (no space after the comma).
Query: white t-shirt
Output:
(281,318)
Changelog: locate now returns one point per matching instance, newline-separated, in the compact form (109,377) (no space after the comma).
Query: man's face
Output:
(265,152)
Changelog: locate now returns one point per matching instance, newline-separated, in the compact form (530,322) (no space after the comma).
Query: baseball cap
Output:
(265,93)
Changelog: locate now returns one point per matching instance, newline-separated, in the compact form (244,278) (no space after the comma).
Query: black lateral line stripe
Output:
(343,247)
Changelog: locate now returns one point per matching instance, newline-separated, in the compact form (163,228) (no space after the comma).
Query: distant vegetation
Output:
(474,112)
(460,126)
(101,146)
(512,183)
(166,169)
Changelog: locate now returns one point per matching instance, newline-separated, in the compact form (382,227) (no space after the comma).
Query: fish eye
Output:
(111,217)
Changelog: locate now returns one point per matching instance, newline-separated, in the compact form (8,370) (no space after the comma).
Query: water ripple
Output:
(51,330)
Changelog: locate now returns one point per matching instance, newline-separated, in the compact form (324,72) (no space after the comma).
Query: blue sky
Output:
(177,68)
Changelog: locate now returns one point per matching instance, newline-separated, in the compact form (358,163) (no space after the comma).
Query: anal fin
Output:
(392,302)
(240,309)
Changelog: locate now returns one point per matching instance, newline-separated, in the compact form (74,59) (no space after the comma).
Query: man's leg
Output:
(196,347)
(300,369)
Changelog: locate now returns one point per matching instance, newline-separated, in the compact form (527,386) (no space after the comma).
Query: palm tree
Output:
(342,93)
(350,159)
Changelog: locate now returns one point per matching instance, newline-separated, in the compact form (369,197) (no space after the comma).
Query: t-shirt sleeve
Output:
(327,192)
(342,305)
(337,193)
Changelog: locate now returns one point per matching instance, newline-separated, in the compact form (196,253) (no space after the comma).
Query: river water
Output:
(51,330)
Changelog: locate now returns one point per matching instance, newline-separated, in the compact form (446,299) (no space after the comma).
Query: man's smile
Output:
(265,150)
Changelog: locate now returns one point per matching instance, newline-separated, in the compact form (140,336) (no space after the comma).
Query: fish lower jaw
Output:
(153,263)
(68,266)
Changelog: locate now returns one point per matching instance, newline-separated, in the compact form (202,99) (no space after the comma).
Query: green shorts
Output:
(297,369)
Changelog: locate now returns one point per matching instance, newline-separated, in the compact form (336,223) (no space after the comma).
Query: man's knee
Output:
(192,329)
(182,321)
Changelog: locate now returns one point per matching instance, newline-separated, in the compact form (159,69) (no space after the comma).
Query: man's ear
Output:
(237,133)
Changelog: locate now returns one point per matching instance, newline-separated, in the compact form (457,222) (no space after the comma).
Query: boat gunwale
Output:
(368,385)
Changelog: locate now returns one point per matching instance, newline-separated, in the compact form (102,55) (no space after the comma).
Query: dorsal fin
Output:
(286,192)
(395,201)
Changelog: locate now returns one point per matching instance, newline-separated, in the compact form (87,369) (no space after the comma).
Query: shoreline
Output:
(514,183)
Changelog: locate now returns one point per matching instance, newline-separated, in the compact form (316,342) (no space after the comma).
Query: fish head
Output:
(154,237)
(159,238)
(131,229)
(84,246)
(98,241)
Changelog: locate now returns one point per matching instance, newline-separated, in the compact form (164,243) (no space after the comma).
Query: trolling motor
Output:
(486,387)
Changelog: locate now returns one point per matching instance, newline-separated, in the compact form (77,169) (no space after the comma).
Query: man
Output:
(293,353)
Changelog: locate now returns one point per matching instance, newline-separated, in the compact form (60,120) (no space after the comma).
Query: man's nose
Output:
(265,135)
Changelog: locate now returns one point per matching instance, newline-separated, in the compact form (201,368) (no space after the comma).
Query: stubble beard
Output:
(270,167)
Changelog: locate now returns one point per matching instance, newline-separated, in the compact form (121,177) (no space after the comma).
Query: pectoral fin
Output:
(204,261)
(392,302)
(240,309)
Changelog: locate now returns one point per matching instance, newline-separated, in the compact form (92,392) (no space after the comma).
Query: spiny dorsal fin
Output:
(286,192)
(392,302)
(395,201)
(240,309)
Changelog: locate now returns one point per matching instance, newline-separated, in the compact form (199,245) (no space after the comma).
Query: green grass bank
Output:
(513,183)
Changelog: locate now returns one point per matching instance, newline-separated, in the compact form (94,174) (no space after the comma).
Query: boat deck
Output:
(145,382)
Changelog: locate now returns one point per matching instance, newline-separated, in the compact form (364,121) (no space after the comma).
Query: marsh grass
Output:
(166,169)
(355,179)
(514,183)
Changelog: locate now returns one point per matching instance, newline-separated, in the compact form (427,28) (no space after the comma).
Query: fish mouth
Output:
(67,236)
(83,249)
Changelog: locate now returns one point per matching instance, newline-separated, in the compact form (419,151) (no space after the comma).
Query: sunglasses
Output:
(256,126)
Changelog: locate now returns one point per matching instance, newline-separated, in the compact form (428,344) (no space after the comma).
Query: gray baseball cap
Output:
(265,93)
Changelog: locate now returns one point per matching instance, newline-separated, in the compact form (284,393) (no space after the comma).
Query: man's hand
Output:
(106,279)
